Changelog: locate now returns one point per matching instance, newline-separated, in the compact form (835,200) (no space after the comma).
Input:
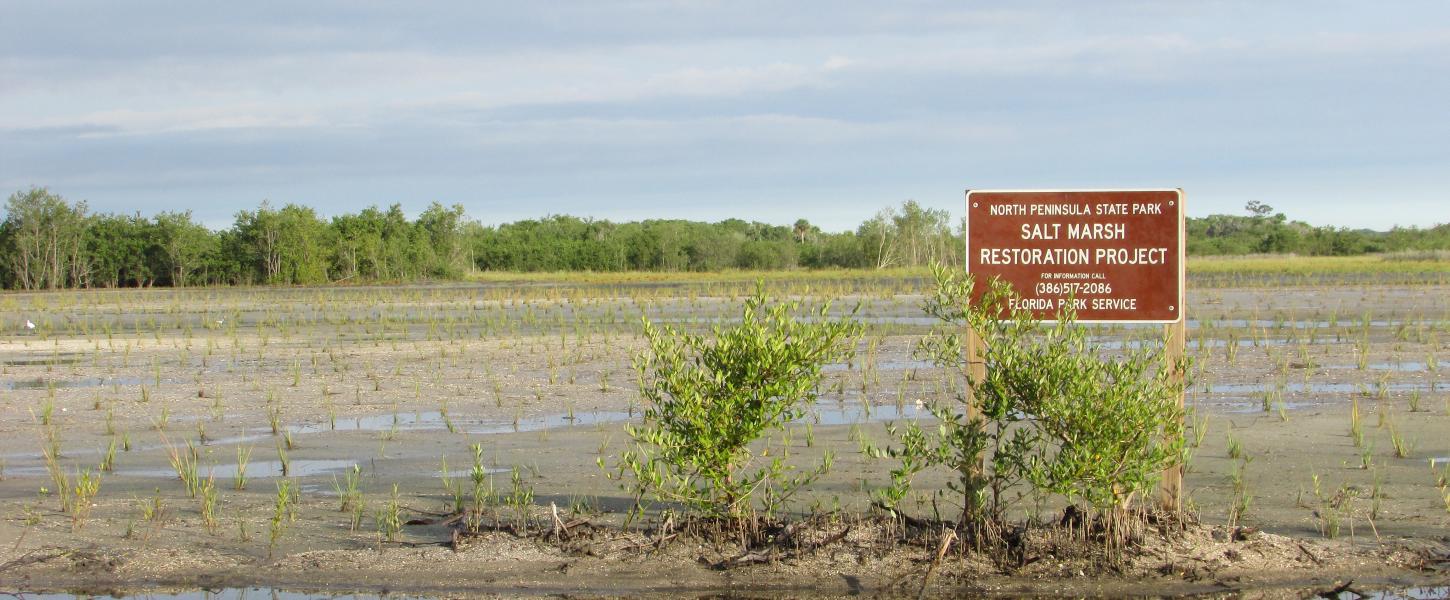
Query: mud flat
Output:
(393,381)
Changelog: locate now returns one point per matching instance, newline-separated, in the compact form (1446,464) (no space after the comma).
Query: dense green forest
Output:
(47,242)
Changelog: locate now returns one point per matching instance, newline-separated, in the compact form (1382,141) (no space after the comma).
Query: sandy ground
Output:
(377,377)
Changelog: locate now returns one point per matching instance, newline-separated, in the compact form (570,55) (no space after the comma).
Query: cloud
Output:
(796,109)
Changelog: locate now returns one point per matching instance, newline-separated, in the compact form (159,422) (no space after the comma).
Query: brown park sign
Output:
(1117,255)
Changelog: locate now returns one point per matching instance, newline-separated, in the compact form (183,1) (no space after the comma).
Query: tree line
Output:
(47,242)
(1264,231)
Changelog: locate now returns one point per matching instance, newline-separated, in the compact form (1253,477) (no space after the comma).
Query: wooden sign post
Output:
(1116,255)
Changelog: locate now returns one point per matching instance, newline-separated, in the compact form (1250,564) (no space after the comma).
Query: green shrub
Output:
(710,398)
(1054,413)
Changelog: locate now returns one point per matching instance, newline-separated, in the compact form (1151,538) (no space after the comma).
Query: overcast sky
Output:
(1333,112)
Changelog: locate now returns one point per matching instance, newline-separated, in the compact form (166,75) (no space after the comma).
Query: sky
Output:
(1335,113)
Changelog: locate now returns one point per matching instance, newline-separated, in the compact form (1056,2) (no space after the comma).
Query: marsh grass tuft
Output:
(108,460)
(1234,446)
(185,463)
(389,518)
(282,460)
(244,456)
(1403,447)
(208,496)
(1241,499)
(1356,422)
(454,489)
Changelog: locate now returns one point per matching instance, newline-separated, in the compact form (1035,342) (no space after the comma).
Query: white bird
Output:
(29,325)
(220,321)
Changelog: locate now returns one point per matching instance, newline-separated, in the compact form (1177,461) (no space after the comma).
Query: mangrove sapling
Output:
(1054,414)
(711,396)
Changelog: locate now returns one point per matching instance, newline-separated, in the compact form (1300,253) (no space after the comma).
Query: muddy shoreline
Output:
(395,380)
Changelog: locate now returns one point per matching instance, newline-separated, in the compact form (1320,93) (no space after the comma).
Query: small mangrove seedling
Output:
(520,499)
(282,514)
(483,496)
(153,509)
(86,486)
